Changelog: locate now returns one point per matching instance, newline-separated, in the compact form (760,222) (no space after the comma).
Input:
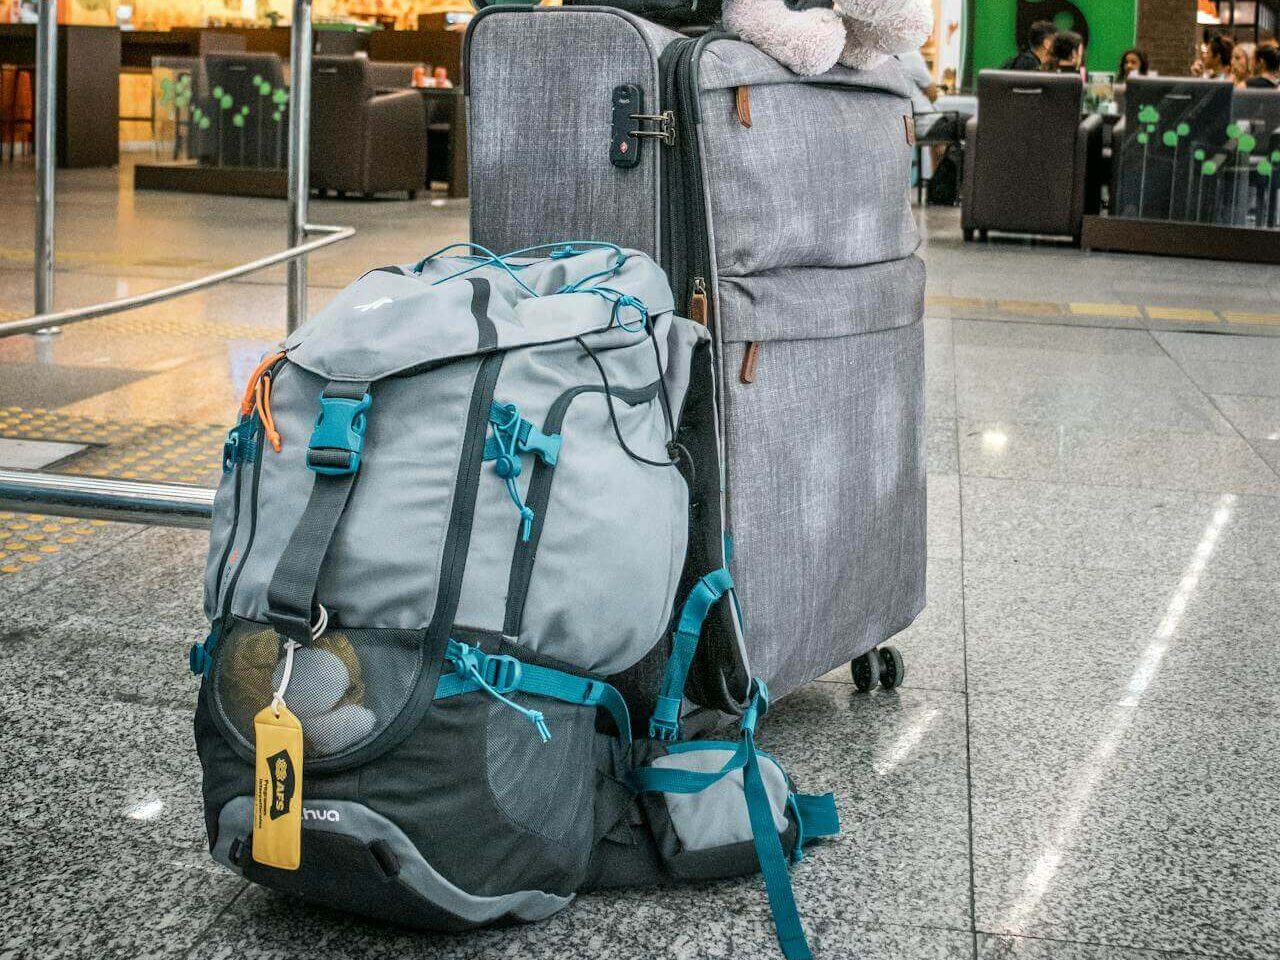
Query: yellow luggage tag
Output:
(277,795)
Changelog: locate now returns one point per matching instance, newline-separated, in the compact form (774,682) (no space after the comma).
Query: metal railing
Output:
(135,501)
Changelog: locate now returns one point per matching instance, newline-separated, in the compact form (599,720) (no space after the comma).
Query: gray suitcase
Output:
(779,207)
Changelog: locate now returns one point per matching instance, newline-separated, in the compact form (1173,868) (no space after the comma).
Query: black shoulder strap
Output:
(334,457)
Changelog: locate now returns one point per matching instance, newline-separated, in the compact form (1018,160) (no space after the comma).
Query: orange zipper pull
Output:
(262,398)
(698,302)
(247,401)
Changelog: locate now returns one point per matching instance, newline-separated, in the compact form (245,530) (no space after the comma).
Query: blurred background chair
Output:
(364,141)
(1033,165)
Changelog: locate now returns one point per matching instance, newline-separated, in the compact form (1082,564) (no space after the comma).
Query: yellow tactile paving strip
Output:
(28,538)
(167,452)
(1189,316)
(131,449)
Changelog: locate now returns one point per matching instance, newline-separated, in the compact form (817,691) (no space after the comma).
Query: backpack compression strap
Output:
(665,723)
(333,455)
(499,674)
(815,817)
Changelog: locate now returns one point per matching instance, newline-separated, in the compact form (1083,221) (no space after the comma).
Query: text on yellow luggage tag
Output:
(277,795)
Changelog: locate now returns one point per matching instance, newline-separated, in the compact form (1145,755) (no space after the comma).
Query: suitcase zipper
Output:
(686,249)
(698,301)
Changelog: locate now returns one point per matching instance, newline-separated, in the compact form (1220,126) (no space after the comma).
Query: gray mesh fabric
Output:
(345,687)
(545,788)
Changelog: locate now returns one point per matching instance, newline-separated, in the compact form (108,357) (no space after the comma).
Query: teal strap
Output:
(773,863)
(499,674)
(764,834)
(817,814)
(665,724)
(675,780)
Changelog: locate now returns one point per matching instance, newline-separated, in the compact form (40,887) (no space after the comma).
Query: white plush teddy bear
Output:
(811,36)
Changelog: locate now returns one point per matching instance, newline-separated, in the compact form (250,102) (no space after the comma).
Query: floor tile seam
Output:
(216,919)
(1249,396)
(1157,488)
(1120,486)
(1172,432)
(964,648)
(1204,393)
(1163,951)
(1039,321)
(1099,705)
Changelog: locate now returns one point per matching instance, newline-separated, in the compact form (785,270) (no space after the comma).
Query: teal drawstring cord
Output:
(464,657)
(507,463)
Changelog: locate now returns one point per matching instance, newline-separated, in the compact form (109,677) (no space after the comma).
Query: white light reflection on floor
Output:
(1046,867)
(147,810)
(901,748)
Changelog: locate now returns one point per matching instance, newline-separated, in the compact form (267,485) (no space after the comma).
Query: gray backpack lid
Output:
(395,319)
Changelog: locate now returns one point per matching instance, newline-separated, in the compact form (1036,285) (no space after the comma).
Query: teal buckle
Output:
(757,708)
(241,445)
(499,671)
(514,434)
(338,437)
(664,725)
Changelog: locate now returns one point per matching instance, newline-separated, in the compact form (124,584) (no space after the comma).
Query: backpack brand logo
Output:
(374,304)
(314,813)
(283,783)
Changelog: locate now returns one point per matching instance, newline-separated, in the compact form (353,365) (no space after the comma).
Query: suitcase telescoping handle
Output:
(481,4)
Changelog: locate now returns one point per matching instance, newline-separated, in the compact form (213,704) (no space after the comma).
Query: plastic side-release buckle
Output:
(338,437)
(756,708)
(241,445)
(664,725)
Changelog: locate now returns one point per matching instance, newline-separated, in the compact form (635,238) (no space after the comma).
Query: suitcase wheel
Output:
(866,671)
(892,669)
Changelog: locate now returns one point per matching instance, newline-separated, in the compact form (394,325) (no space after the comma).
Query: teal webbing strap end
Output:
(338,437)
(818,814)
(815,816)
(241,445)
(757,707)
(200,657)
(664,725)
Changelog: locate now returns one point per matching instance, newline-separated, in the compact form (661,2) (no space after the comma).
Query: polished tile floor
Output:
(1082,765)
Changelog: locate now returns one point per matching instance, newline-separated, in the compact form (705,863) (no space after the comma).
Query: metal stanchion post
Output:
(46,161)
(299,156)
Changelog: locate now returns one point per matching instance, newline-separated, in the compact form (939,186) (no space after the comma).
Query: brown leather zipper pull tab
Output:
(749,361)
(742,105)
(698,302)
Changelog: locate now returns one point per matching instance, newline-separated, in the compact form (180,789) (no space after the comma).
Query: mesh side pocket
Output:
(346,687)
(545,788)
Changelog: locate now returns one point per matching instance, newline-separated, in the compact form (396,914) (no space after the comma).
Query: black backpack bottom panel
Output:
(356,860)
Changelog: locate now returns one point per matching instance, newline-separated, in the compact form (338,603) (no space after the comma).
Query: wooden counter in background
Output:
(88,132)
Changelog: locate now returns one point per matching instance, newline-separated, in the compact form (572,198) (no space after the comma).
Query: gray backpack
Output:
(470,526)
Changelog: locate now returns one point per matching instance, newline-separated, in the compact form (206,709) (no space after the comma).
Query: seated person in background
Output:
(1036,56)
(1215,55)
(1241,67)
(1268,64)
(1067,53)
(936,126)
(1133,62)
